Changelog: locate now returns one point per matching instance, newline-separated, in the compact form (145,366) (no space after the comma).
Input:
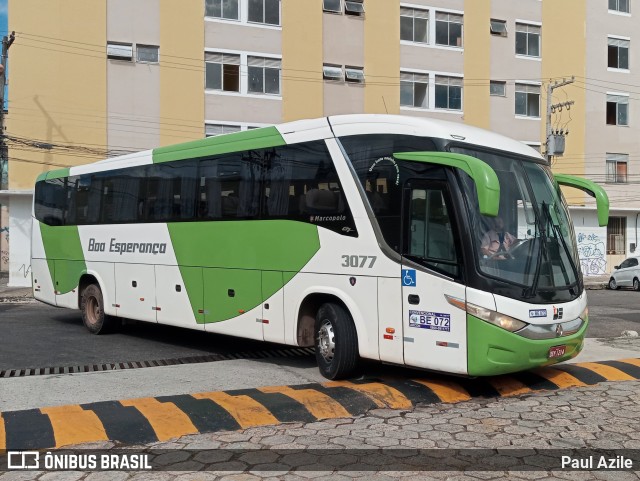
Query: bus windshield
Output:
(531,242)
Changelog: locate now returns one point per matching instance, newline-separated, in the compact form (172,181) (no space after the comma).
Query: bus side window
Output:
(50,198)
(229,186)
(302,184)
(121,193)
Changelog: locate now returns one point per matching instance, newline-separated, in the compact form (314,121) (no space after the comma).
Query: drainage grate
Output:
(268,354)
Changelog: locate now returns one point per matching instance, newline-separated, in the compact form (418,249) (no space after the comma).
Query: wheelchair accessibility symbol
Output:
(409,277)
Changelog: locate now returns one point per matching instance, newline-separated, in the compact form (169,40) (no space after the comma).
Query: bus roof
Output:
(307,130)
(423,126)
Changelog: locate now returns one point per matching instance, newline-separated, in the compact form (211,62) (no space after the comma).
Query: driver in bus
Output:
(497,240)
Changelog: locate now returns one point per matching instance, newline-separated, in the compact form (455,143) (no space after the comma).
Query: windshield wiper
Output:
(556,229)
(542,253)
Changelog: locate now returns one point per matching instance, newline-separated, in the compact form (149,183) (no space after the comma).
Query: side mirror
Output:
(484,177)
(591,188)
(616,267)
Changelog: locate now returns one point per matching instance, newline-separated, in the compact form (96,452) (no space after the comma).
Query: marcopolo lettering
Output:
(327,218)
(128,247)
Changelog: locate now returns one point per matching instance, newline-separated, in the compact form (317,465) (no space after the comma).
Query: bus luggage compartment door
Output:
(179,300)
(233,302)
(434,331)
(136,291)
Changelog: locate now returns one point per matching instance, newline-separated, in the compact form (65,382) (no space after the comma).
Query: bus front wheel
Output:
(336,342)
(92,307)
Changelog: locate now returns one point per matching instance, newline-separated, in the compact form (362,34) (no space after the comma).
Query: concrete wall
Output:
(506,66)
(58,89)
(4,238)
(592,242)
(564,62)
(302,57)
(602,138)
(382,57)
(20,229)
(133,89)
(182,71)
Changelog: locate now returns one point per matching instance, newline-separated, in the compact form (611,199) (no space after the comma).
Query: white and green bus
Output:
(360,235)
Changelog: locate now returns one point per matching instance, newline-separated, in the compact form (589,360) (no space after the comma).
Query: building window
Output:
(449,29)
(414,25)
(264,11)
(448,93)
(120,51)
(497,88)
(617,235)
(354,74)
(332,6)
(227,9)
(528,100)
(354,7)
(264,75)
(617,168)
(222,72)
(413,90)
(147,53)
(617,109)
(619,5)
(332,72)
(618,53)
(527,40)
(498,28)
(211,130)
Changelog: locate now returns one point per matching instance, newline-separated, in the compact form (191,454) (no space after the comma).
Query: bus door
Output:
(434,331)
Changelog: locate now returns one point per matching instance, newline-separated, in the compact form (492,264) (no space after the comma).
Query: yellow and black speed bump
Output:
(147,420)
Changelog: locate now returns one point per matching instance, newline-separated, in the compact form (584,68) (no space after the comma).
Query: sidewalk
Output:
(596,282)
(13,294)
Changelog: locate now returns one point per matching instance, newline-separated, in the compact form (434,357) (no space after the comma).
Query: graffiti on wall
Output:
(4,247)
(592,253)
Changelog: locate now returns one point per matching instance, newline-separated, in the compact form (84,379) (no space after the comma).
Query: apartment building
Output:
(91,79)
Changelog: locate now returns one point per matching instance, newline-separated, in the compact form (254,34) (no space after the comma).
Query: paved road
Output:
(612,312)
(35,335)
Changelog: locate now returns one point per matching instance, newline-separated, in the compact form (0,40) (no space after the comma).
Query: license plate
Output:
(557,351)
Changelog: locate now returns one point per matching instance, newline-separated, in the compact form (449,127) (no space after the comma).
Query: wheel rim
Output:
(636,285)
(326,340)
(93,310)
(612,284)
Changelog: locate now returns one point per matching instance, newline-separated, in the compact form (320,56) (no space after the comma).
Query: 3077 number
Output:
(359,261)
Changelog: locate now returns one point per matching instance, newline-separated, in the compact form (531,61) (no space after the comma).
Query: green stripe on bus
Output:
(62,243)
(221,144)
(57,174)
(243,249)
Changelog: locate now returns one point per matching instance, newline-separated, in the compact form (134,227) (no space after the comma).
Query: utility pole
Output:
(4,158)
(554,144)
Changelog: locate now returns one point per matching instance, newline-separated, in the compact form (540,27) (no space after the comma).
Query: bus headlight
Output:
(501,320)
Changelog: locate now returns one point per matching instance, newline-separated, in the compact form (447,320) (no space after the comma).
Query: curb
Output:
(157,419)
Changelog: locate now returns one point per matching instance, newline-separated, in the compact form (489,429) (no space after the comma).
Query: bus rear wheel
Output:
(92,307)
(336,342)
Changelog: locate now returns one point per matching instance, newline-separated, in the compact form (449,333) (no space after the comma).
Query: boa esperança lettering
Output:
(127,247)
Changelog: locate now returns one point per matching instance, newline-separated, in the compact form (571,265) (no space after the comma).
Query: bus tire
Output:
(92,308)
(336,342)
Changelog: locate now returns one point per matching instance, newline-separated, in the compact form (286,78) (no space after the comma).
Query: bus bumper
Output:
(492,351)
